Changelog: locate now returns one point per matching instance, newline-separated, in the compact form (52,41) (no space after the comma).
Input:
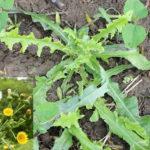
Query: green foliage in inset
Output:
(15,113)
(21,86)
(28,146)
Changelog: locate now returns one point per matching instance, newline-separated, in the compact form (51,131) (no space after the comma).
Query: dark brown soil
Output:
(13,64)
(74,12)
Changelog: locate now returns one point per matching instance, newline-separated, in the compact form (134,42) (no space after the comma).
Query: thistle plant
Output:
(83,55)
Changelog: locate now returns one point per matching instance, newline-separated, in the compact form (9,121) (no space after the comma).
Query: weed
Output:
(82,54)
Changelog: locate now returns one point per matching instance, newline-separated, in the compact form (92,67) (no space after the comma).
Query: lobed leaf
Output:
(86,143)
(12,37)
(125,106)
(48,25)
(70,121)
(132,56)
(119,127)
(64,142)
(43,112)
(118,69)
(113,27)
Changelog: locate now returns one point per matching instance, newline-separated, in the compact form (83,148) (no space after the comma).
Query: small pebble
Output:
(59,4)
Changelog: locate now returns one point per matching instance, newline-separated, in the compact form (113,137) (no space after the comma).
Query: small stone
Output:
(59,4)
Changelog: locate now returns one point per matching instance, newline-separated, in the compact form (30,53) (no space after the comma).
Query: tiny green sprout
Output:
(128,79)
(57,18)
(59,93)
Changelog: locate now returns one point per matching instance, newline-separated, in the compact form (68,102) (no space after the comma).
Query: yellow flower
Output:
(23,95)
(29,98)
(8,112)
(22,138)
(29,112)
(5,147)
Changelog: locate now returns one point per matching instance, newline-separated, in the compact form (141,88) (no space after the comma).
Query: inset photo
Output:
(16,119)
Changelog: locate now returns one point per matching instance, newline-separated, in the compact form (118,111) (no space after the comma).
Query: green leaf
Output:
(12,37)
(44,120)
(113,27)
(39,92)
(145,123)
(58,70)
(43,84)
(49,25)
(64,142)
(118,69)
(124,105)
(89,96)
(68,120)
(46,111)
(36,144)
(118,127)
(133,56)
(86,144)
(91,93)
(138,8)
(133,35)
(28,145)
(103,14)
(6,4)
(139,130)
(3,20)
(83,32)
(95,116)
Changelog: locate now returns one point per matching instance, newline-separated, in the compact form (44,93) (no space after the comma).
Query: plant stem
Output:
(13,134)
(19,109)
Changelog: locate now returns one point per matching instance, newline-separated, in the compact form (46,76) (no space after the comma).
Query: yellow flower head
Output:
(23,95)
(29,112)
(6,147)
(22,138)
(8,112)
